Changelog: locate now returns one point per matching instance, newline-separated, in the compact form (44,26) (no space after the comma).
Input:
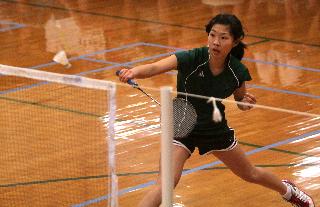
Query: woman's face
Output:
(220,41)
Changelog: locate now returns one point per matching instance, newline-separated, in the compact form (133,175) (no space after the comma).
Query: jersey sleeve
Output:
(241,71)
(184,60)
(244,75)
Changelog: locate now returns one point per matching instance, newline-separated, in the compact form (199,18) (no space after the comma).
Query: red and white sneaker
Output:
(298,198)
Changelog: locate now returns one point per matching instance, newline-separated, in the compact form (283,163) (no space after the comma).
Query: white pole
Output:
(113,179)
(166,146)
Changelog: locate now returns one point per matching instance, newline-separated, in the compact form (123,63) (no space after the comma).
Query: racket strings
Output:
(185,117)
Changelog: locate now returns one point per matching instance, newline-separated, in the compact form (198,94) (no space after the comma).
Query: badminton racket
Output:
(135,85)
(184,114)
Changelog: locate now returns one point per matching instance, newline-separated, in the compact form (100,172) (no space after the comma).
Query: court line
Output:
(151,21)
(96,116)
(58,108)
(38,182)
(209,165)
(162,55)
(317,70)
(149,172)
(131,62)
(126,64)
(87,72)
(246,59)
(72,59)
(272,89)
(283,91)
(12,25)
(21,88)
(126,46)
(157,56)
(287,141)
(33,103)
(88,55)
(258,42)
(277,150)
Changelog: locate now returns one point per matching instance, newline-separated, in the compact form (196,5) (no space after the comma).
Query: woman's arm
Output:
(242,95)
(149,70)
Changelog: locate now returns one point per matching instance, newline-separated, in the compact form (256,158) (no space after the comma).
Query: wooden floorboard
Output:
(53,145)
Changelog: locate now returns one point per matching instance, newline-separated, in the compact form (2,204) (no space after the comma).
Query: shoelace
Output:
(301,196)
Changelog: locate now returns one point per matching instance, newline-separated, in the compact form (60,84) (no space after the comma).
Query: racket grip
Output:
(130,81)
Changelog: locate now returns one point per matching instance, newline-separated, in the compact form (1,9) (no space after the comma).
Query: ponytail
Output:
(238,51)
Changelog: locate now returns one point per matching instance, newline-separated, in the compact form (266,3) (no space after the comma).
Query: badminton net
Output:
(57,138)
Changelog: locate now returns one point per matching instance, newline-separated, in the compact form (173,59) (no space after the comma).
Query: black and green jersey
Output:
(202,82)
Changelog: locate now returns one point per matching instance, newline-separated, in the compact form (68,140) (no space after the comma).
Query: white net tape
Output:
(57,78)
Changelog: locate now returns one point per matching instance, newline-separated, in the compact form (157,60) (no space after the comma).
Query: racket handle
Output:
(130,81)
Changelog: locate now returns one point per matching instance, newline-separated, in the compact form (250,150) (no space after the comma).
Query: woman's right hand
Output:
(125,75)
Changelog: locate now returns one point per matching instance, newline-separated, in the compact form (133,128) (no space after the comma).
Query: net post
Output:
(113,179)
(166,146)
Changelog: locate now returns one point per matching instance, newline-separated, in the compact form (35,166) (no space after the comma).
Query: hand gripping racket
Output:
(184,114)
(135,85)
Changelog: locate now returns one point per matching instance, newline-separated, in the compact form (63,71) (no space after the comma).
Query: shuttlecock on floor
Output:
(61,58)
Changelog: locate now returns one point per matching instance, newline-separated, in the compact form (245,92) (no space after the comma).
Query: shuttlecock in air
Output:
(61,58)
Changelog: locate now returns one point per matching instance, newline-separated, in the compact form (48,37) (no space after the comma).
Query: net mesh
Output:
(54,147)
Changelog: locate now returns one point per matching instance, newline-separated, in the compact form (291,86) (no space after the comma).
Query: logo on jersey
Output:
(201,74)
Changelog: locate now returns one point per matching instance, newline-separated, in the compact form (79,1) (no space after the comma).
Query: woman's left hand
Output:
(247,98)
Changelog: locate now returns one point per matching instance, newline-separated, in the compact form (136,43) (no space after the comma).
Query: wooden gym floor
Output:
(53,148)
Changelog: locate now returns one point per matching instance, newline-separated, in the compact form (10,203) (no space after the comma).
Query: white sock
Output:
(288,194)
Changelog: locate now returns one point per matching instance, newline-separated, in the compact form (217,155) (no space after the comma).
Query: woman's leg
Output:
(239,164)
(153,197)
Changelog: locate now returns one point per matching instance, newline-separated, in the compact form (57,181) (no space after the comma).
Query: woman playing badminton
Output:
(214,71)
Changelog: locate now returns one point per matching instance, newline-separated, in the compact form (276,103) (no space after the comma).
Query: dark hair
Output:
(236,31)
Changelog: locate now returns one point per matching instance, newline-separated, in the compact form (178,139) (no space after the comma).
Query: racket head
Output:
(184,117)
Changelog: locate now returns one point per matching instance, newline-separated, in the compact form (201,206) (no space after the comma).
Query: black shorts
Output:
(208,143)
